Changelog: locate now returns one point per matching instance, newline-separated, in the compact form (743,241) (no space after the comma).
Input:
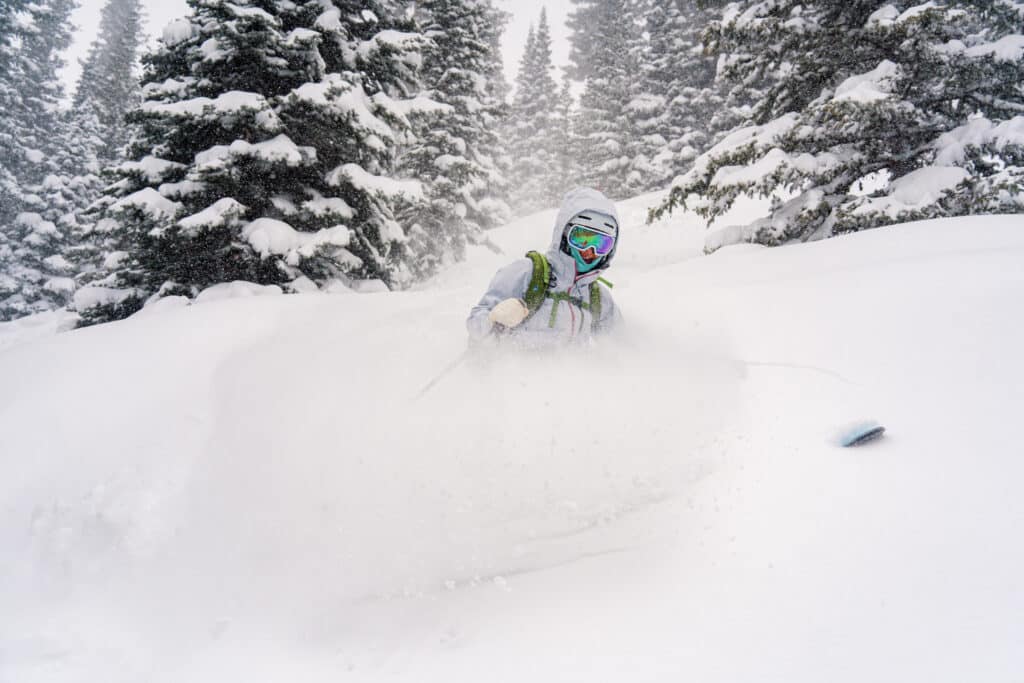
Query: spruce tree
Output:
(534,129)
(585,26)
(496,117)
(517,130)
(266,149)
(41,33)
(609,142)
(566,172)
(872,113)
(33,271)
(108,88)
(9,98)
(8,181)
(680,110)
(71,191)
(456,151)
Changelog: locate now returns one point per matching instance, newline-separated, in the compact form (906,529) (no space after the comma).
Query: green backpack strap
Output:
(595,302)
(537,290)
(595,305)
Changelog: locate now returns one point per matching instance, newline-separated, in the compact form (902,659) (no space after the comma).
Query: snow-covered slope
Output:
(249,489)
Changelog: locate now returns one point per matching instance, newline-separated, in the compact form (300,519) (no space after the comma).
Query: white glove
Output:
(509,313)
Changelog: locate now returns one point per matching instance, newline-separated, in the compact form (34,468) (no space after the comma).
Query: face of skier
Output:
(590,238)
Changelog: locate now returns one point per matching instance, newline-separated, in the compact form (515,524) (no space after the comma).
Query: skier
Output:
(559,296)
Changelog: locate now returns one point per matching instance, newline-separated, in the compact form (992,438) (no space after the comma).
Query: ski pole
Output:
(441,375)
(494,333)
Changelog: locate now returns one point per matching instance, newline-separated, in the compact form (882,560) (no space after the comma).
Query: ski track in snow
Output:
(250,489)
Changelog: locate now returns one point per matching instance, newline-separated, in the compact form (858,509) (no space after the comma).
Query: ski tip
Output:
(860,434)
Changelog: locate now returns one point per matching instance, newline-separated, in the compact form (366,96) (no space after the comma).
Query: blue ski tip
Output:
(860,434)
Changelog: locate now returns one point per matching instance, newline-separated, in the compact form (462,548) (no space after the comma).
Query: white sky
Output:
(160,12)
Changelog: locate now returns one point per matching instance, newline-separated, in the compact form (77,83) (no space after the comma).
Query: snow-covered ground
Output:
(247,489)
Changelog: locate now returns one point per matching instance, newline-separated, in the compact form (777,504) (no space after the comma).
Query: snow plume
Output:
(305,501)
(500,491)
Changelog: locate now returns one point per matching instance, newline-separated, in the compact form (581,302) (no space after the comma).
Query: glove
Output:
(509,313)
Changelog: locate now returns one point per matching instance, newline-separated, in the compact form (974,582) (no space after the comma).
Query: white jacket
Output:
(572,323)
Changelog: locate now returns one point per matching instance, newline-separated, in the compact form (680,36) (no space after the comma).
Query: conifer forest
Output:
(336,143)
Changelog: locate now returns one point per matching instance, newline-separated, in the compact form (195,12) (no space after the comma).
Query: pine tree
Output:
(41,32)
(265,153)
(457,147)
(585,26)
(681,110)
(497,84)
(534,128)
(108,87)
(33,272)
(518,128)
(107,90)
(873,113)
(75,186)
(608,139)
(11,12)
(9,142)
(9,191)
(496,117)
(566,175)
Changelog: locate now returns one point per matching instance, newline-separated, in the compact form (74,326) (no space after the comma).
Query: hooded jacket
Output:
(572,323)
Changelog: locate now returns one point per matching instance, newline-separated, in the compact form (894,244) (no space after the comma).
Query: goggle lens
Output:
(583,237)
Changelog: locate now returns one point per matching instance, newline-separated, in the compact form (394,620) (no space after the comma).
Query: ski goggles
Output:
(583,238)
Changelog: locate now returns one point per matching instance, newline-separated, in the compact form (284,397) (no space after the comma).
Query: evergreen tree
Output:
(566,175)
(496,117)
(457,147)
(873,113)
(681,110)
(265,153)
(11,13)
(608,139)
(534,129)
(33,273)
(497,85)
(42,32)
(585,26)
(71,191)
(9,97)
(8,182)
(108,88)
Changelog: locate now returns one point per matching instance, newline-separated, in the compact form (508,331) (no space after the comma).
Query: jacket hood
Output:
(581,200)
